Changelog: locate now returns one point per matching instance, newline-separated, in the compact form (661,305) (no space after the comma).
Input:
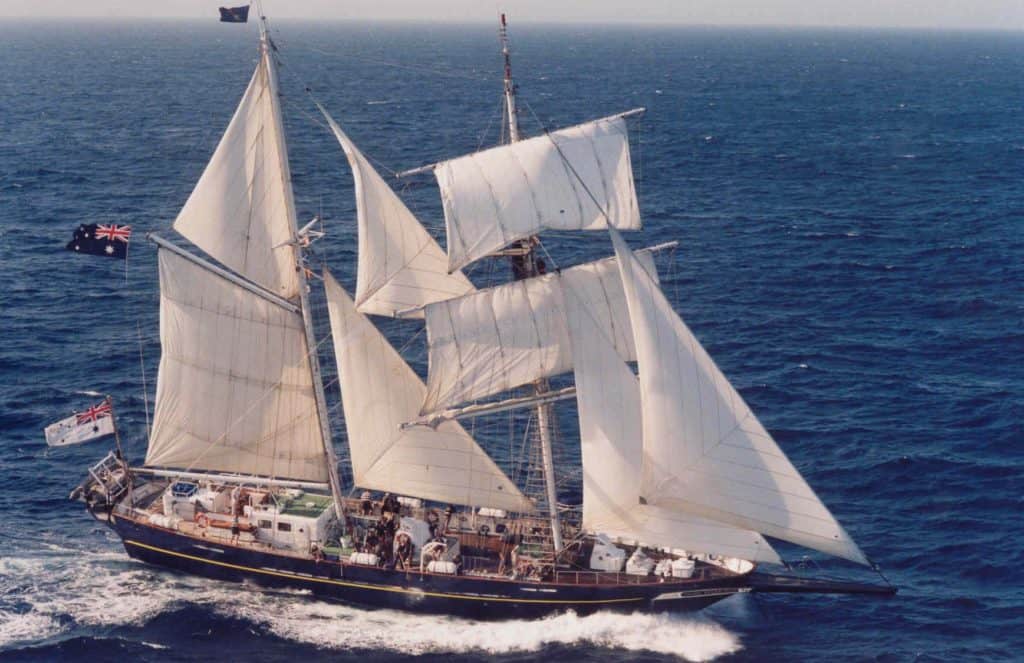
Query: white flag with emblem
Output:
(96,422)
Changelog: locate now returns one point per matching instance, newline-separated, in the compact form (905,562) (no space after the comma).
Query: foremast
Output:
(334,481)
(525,265)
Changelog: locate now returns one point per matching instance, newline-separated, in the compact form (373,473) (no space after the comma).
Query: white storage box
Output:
(639,564)
(183,510)
(211,499)
(606,556)
(683,568)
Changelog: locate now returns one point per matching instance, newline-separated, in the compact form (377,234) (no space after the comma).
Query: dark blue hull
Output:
(470,596)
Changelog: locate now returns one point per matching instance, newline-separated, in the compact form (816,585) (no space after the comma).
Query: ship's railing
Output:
(110,475)
(608,577)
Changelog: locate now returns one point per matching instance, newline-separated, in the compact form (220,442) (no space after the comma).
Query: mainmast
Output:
(526,264)
(300,268)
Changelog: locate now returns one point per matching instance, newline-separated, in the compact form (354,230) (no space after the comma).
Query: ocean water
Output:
(851,224)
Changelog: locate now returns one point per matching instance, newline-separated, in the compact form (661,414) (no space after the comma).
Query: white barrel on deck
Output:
(442,566)
(368,559)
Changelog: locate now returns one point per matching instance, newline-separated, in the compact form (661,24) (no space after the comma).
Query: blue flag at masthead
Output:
(234,14)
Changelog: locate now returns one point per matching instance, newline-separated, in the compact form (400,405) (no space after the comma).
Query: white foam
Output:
(334,626)
(25,627)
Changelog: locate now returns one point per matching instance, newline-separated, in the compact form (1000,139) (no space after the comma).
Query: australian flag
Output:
(101,240)
(234,14)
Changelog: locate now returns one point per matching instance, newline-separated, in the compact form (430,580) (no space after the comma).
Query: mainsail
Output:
(611,437)
(514,334)
(578,178)
(704,451)
(379,393)
(238,212)
(239,389)
(401,267)
(234,392)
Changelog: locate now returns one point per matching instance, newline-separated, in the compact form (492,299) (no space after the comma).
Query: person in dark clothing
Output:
(390,525)
(403,551)
(391,504)
(371,541)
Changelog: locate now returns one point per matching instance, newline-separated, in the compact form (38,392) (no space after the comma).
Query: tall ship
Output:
(680,481)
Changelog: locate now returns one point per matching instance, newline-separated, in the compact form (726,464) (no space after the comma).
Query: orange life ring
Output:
(202,520)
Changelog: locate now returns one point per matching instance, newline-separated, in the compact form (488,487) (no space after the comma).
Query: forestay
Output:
(611,443)
(379,393)
(579,178)
(234,392)
(401,268)
(239,210)
(704,451)
(514,334)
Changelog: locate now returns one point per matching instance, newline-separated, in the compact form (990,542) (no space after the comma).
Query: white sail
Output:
(611,444)
(401,267)
(234,392)
(704,451)
(579,178)
(379,393)
(239,210)
(514,334)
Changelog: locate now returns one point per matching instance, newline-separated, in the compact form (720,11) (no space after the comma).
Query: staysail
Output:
(608,397)
(514,334)
(234,392)
(704,451)
(578,178)
(238,211)
(379,393)
(401,267)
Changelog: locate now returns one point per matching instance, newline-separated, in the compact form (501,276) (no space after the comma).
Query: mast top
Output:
(510,86)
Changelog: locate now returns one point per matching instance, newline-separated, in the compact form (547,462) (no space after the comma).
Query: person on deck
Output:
(403,551)
(391,504)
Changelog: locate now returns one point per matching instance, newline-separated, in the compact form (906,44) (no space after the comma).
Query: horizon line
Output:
(434,22)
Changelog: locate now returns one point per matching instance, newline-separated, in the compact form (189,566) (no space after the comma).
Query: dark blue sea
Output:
(850,212)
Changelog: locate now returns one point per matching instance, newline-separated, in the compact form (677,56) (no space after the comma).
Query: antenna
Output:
(510,86)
